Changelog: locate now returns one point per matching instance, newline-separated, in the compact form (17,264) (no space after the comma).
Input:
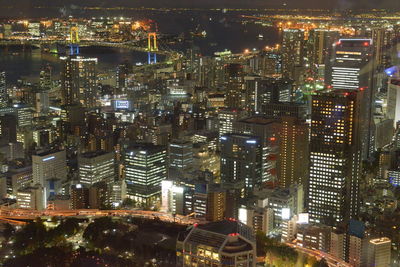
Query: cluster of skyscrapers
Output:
(299,141)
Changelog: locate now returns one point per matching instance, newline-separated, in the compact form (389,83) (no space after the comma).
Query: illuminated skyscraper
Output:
(292,164)
(352,69)
(263,92)
(241,160)
(267,130)
(293,52)
(3,90)
(45,78)
(320,45)
(180,154)
(123,71)
(383,39)
(145,168)
(350,66)
(49,169)
(335,157)
(226,117)
(79,81)
(49,165)
(378,252)
(234,86)
(96,167)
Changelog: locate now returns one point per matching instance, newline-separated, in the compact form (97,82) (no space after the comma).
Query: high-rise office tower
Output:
(393,100)
(383,43)
(123,71)
(3,90)
(378,252)
(79,197)
(49,169)
(351,68)
(234,86)
(45,82)
(226,117)
(266,64)
(8,124)
(292,164)
(267,130)
(145,168)
(96,167)
(250,89)
(216,203)
(273,90)
(335,157)
(180,154)
(293,52)
(79,81)
(262,92)
(320,45)
(241,160)
(24,115)
(279,110)
(206,76)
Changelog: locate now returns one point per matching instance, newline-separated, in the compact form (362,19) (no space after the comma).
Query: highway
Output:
(331,260)
(17,216)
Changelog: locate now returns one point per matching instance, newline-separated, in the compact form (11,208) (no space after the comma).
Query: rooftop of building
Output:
(215,234)
(145,147)
(181,142)
(241,136)
(29,189)
(227,227)
(277,192)
(47,152)
(258,120)
(59,197)
(381,240)
(287,104)
(93,154)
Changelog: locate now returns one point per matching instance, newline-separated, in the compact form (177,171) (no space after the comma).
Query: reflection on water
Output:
(26,64)
(224,31)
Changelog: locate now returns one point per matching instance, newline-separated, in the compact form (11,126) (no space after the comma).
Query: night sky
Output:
(339,4)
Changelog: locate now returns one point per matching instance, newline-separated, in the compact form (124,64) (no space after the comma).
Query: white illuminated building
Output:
(226,117)
(180,154)
(145,169)
(345,78)
(31,198)
(96,167)
(49,169)
(349,68)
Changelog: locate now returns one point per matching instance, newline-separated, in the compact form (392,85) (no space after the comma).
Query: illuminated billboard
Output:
(243,215)
(303,218)
(285,214)
(122,104)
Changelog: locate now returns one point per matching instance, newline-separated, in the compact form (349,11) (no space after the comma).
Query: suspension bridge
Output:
(153,45)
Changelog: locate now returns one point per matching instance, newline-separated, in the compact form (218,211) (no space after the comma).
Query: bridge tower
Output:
(152,47)
(74,41)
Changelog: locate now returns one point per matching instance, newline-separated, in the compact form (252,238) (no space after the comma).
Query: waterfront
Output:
(223,31)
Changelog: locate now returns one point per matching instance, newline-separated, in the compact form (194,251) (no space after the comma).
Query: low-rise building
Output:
(223,243)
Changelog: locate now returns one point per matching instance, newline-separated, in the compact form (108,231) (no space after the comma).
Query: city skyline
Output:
(192,135)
